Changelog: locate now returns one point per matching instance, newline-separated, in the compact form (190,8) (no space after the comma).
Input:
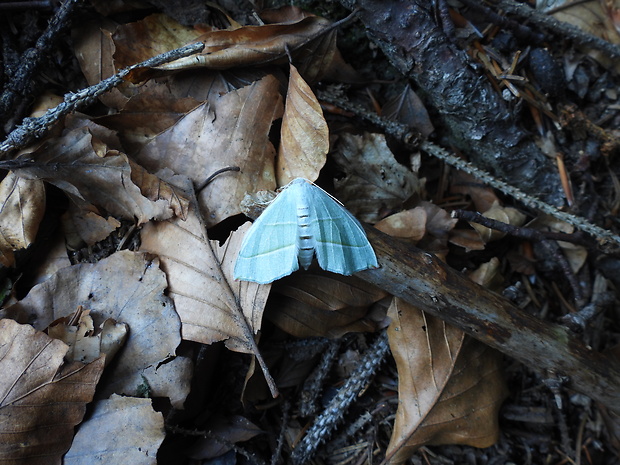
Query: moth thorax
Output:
(305,239)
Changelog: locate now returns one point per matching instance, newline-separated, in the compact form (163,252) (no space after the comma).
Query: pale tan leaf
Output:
(84,167)
(121,430)
(198,282)
(409,224)
(85,343)
(375,181)
(450,386)
(232,130)
(41,399)
(304,140)
(22,205)
(83,224)
(127,287)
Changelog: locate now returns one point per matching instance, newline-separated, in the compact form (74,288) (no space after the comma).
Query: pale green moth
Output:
(302,221)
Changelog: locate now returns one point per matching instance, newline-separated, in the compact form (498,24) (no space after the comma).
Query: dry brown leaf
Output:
(304,137)
(151,111)
(450,386)
(407,108)
(232,130)
(84,225)
(85,168)
(596,17)
(94,48)
(41,399)
(120,430)
(127,287)
(22,205)
(481,195)
(309,304)
(575,254)
(224,434)
(85,343)
(155,34)
(409,224)
(199,286)
(252,45)
(375,181)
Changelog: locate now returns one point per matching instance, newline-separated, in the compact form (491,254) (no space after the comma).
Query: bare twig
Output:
(31,59)
(559,27)
(34,128)
(517,231)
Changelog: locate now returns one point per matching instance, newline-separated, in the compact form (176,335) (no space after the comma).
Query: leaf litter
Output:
(168,135)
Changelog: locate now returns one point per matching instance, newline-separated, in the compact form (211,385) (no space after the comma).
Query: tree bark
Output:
(476,118)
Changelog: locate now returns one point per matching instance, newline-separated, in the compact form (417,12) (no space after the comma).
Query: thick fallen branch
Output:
(423,280)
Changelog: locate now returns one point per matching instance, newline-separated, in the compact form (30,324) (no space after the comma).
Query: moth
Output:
(302,222)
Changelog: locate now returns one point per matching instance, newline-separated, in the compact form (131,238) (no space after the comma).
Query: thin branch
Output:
(406,135)
(563,29)
(35,128)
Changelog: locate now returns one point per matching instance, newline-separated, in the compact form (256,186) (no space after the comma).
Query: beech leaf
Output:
(127,287)
(197,286)
(22,205)
(84,167)
(450,386)
(119,430)
(41,398)
(304,141)
(232,130)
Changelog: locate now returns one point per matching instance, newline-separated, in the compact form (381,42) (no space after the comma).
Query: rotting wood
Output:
(423,280)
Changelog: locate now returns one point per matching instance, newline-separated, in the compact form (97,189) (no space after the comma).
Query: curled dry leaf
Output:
(450,386)
(232,130)
(84,167)
(308,304)
(86,344)
(127,287)
(252,45)
(375,171)
(22,205)
(304,140)
(119,430)
(41,398)
(199,274)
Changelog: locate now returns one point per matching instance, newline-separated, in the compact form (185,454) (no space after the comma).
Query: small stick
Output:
(35,128)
